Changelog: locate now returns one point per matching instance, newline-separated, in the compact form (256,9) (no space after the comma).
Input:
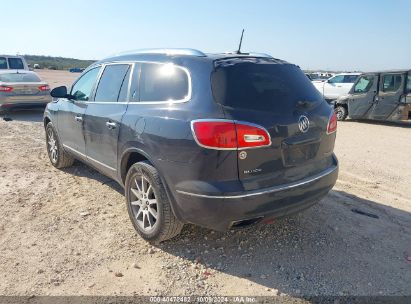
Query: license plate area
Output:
(26,91)
(294,155)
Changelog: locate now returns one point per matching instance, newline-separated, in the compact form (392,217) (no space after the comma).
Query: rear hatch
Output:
(279,97)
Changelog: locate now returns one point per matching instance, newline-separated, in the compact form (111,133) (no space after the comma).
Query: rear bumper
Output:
(221,212)
(24,105)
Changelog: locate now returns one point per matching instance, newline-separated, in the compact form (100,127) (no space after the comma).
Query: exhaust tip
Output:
(246,223)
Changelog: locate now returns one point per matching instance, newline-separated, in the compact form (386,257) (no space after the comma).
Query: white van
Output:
(8,62)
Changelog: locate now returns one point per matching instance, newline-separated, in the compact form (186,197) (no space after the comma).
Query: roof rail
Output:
(166,51)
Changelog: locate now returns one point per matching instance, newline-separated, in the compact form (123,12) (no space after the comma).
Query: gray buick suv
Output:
(218,140)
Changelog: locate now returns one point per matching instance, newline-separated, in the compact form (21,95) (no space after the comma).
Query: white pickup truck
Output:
(336,86)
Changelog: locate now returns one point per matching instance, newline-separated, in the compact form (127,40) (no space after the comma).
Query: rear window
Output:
(16,64)
(261,84)
(19,77)
(3,63)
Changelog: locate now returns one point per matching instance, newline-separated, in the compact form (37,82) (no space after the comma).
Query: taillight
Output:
(44,88)
(229,134)
(4,88)
(332,124)
(250,136)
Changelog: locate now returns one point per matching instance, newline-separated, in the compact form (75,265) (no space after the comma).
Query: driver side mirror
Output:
(61,92)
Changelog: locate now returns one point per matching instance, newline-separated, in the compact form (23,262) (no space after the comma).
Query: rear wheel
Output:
(148,205)
(341,112)
(58,157)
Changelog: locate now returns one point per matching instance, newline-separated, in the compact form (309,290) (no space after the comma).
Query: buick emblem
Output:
(303,123)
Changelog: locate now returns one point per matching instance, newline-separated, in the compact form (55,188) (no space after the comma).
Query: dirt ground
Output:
(67,232)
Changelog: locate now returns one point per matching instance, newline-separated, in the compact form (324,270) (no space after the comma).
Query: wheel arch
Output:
(133,155)
(46,120)
(343,105)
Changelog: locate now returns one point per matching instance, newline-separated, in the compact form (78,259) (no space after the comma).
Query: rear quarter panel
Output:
(162,132)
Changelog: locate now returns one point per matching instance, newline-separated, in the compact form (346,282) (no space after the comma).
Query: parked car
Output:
(76,70)
(378,95)
(8,62)
(219,140)
(22,89)
(336,86)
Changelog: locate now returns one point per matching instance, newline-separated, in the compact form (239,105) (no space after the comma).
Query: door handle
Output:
(78,118)
(111,125)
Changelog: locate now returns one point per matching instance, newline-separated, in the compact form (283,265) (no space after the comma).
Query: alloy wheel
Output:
(143,203)
(52,145)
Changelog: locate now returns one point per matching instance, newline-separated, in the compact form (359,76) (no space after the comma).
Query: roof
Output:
(165,54)
(348,74)
(389,71)
(12,56)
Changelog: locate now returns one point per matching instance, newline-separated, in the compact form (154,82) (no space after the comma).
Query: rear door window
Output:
(391,82)
(350,78)
(261,84)
(122,97)
(111,81)
(83,88)
(409,83)
(163,82)
(364,84)
(16,64)
(3,63)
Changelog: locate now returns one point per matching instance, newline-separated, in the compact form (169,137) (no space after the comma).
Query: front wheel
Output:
(148,205)
(58,157)
(341,112)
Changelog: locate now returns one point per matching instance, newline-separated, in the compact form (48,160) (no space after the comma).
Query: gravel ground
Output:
(67,232)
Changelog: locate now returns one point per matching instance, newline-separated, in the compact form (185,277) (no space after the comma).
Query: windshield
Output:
(261,84)
(19,77)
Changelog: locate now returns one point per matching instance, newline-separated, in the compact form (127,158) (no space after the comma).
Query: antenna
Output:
(241,41)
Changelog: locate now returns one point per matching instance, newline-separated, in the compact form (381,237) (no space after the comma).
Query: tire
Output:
(58,157)
(341,112)
(149,208)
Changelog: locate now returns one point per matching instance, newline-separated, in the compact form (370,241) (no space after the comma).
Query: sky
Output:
(331,35)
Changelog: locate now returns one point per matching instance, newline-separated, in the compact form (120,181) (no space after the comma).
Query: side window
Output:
(82,89)
(122,97)
(409,83)
(163,82)
(3,63)
(364,84)
(391,82)
(350,78)
(111,80)
(16,64)
(336,79)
